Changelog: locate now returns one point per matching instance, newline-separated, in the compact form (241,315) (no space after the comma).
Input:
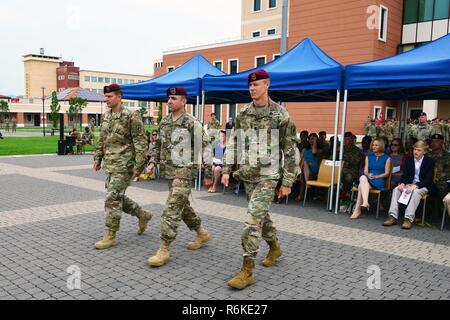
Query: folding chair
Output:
(387,188)
(324,178)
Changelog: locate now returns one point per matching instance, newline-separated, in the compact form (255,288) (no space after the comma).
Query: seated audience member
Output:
(365,145)
(303,140)
(352,161)
(376,169)
(397,154)
(83,139)
(311,157)
(441,162)
(324,145)
(217,165)
(417,180)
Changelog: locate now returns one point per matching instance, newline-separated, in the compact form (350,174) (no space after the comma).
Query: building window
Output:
(272,4)
(411,8)
(218,65)
(425,10)
(233,66)
(132,81)
(119,81)
(170,69)
(217,111)
(260,61)
(391,112)
(113,80)
(73,77)
(132,104)
(382,35)
(441,9)
(87,78)
(256,5)
(126,81)
(232,111)
(276,56)
(107,80)
(61,77)
(93,79)
(101,79)
(376,112)
(256,34)
(271,32)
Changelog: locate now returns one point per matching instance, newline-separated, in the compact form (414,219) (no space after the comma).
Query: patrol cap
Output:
(111,88)
(423,114)
(258,75)
(176,91)
(437,136)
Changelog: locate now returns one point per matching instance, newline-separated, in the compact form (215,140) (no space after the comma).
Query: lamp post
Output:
(43,110)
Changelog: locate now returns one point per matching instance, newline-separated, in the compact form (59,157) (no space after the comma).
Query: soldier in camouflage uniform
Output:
(180,135)
(372,130)
(7,124)
(367,126)
(422,131)
(260,176)
(213,127)
(14,124)
(352,161)
(122,148)
(442,163)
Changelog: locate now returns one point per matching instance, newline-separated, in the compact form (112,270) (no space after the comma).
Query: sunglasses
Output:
(154,134)
(394,144)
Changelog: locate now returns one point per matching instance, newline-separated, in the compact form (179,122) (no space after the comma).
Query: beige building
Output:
(96,80)
(261,18)
(40,71)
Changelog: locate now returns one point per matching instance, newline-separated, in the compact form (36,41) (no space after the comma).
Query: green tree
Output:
(159,113)
(55,107)
(4,109)
(76,106)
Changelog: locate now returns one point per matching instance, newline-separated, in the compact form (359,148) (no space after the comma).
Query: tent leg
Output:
(341,151)
(336,128)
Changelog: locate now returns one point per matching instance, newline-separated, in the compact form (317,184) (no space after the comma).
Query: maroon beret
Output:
(176,91)
(258,75)
(111,88)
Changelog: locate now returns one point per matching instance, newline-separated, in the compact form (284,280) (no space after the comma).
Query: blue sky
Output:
(117,36)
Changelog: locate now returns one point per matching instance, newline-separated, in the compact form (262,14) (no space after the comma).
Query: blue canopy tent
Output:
(189,75)
(303,74)
(419,74)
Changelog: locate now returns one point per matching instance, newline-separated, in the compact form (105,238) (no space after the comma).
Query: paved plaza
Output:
(51,214)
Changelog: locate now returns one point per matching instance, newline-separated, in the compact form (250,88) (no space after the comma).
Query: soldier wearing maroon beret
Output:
(261,116)
(177,128)
(122,149)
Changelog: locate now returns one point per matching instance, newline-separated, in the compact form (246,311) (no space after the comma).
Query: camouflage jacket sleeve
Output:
(288,137)
(139,141)
(230,156)
(99,150)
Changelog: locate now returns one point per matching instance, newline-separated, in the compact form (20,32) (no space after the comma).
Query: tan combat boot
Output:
(274,253)
(245,277)
(144,217)
(202,238)
(109,240)
(161,257)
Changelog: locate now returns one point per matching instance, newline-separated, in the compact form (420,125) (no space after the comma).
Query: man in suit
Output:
(417,180)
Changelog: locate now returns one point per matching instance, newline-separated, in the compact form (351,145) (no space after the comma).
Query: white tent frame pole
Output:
(336,128)
(341,151)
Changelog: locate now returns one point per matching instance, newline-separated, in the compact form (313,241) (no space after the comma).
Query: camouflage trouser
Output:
(116,200)
(258,224)
(347,179)
(177,208)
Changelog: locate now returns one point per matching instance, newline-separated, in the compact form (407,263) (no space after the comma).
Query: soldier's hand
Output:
(225,179)
(150,168)
(284,192)
(207,182)
(97,167)
(136,173)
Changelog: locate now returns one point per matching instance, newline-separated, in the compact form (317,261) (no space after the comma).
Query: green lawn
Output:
(30,145)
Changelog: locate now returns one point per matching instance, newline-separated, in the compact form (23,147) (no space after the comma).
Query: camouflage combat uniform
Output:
(213,129)
(352,164)
(174,135)
(422,132)
(259,178)
(122,147)
(372,131)
(442,170)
